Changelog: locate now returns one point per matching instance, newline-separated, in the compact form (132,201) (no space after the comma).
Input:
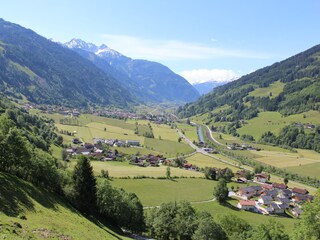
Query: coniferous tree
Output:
(84,185)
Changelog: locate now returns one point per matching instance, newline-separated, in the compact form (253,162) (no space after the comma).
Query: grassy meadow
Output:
(274,122)
(203,161)
(46,215)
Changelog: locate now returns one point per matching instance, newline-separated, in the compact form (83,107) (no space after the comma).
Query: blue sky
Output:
(202,40)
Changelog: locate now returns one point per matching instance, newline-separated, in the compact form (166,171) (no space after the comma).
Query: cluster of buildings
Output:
(116,142)
(236,146)
(94,150)
(272,198)
(148,160)
(307,126)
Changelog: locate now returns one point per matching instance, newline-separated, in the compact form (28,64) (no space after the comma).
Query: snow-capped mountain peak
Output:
(78,43)
(102,51)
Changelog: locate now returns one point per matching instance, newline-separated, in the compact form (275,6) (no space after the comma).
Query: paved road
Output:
(200,150)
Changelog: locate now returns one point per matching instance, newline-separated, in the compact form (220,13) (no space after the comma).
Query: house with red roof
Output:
(248,205)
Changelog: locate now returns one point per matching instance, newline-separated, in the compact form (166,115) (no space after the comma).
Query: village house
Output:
(98,140)
(296,211)
(299,191)
(249,192)
(265,200)
(279,185)
(248,205)
(275,208)
(261,177)
(133,143)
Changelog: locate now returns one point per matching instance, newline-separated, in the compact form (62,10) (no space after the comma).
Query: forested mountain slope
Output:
(148,81)
(45,72)
(290,86)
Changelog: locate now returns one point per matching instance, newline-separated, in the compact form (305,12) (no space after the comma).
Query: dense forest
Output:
(44,72)
(300,75)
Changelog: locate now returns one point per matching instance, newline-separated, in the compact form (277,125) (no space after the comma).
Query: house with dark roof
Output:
(265,200)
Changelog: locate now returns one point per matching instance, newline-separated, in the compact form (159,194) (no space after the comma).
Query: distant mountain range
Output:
(206,87)
(44,72)
(148,81)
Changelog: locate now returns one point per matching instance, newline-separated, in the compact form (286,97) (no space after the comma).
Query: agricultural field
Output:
(274,122)
(87,127)
(164,132)
(288,159)
(153,192)
(309,170)
(168,148)
(189,131)
(203,161)
(119,169)
(272,91)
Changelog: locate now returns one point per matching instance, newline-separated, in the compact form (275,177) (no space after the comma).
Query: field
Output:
(153,192)
(203,161)
(189,131)
(274,122)
(46,215)
(124,169)
(309,170)
(288,159)
(168,148)
(88,127)
(274,90)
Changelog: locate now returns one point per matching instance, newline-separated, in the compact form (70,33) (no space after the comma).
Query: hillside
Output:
(44,72)
(289,87)
(148,81)
(28,212)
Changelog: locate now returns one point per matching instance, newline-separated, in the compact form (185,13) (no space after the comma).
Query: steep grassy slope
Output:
(291,86)
(27,212)
(45,72)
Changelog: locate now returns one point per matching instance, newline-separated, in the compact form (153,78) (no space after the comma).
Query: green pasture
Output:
(165,132)
(189,131)
(309,170)
(203,161)
(47,215)
(275,89)
(124,169)
(288,159)
(274,122)
(168,148)
(153,192)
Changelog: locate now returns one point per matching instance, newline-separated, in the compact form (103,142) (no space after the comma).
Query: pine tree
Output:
(84,185)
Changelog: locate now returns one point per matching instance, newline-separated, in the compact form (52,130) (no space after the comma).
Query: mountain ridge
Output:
(299,77)
(47,73)
(149,81)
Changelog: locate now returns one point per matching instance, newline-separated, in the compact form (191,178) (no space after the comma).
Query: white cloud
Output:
(209,75)
(172,49)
